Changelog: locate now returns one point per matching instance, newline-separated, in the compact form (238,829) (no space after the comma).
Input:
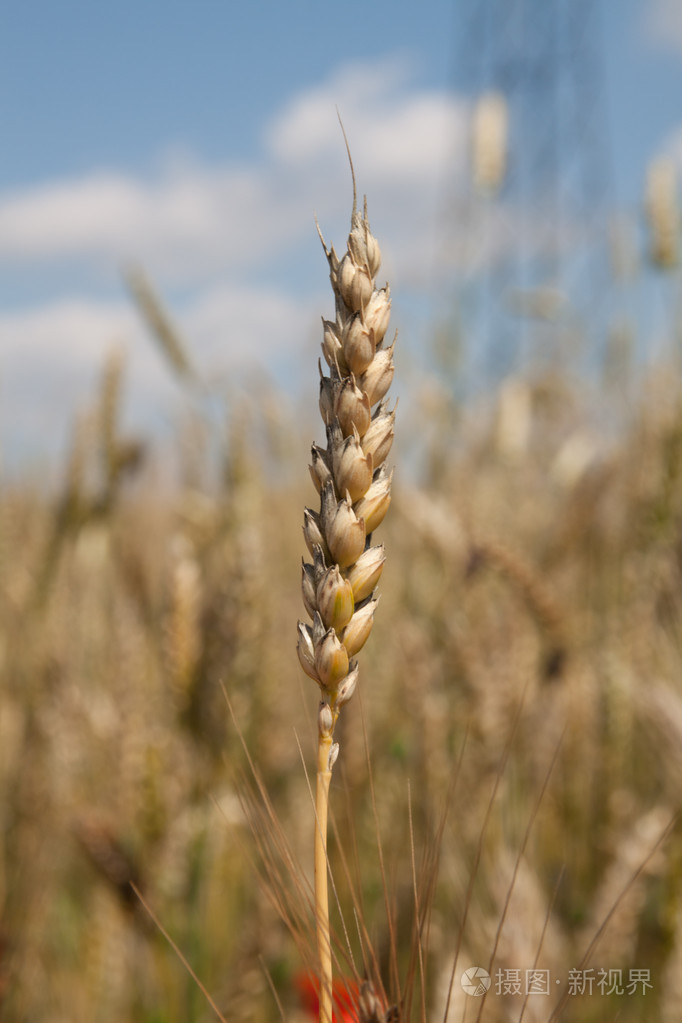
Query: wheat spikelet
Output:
(623,248)
(160,324)
(621,896)
(354,485)
(490,131)
(575,457)
(183,631)
(350,476)
(524,931)
(102,847)
(514,418)
(663,213)
(659,715)
(539,600)
(117,455)
(106,959)
(108,412)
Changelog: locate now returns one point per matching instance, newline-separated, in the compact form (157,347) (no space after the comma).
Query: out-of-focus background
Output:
(161,288)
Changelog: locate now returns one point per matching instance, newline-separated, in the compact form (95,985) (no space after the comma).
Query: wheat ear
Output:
(355,491)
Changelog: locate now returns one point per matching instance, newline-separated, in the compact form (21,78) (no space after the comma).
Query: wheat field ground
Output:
(514,759)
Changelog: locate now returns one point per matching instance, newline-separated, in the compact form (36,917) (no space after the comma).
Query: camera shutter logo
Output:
(475,981)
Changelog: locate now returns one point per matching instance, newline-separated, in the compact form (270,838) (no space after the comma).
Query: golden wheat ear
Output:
(354,491)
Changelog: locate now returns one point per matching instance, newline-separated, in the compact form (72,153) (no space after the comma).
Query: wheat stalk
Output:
(355,491)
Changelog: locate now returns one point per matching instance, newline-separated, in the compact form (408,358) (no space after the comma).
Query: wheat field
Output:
(511,768)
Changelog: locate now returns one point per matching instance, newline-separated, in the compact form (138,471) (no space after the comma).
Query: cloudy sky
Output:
(200,141)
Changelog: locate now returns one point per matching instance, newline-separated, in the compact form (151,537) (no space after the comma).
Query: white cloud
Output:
(220,328)
(189,221)
(192,220)
(236,240)
(51,357)
(238,326)
(396,135)
(70,330)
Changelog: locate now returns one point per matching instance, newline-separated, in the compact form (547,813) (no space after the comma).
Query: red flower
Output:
(344,995)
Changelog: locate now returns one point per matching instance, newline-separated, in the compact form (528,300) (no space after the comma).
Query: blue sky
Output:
(200,141)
